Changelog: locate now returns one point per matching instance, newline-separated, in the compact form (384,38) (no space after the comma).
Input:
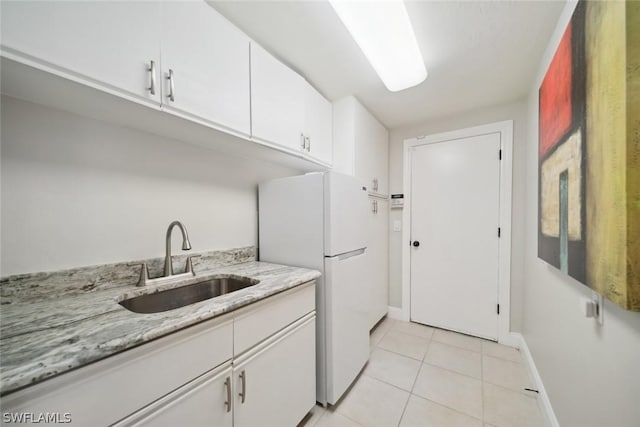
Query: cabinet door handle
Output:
(152,82)
(227,385)
(243,393)
(308,143)
(303,142)
(375,184)
(172,89)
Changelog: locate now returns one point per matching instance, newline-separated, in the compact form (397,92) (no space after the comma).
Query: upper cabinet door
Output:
(277,101)
(371,151)
(109,44)
(318,125)
(207,60)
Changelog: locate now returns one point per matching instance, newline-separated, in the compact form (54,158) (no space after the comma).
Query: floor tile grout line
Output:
(409,333)
(458,411)
(504,358)
(442,404)
(457,346)
(404,409)
(415,380)
(406,334)
(401,354)
(520,389)
(384,382)
(535,397)
(456,372)
(351,419)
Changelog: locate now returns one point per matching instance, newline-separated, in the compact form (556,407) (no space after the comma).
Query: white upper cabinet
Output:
(360,145)
(371,151)
(110,44)
(207,59)
(317,128)
(277,101)
(182,57)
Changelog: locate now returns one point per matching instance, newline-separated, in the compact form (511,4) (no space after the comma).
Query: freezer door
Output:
(347,333)
(345,217)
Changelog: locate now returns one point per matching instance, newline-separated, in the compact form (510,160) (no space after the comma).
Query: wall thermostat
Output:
(397,201)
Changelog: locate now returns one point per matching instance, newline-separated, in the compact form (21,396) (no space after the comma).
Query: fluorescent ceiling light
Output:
(383,31)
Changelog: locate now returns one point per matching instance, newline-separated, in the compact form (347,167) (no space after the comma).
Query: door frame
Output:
(505,128)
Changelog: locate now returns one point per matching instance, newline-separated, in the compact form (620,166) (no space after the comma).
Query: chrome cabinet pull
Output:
(243,393)
(172,88)
(307,143)
(303,142)
(227,385)
(375,184)
(152,81)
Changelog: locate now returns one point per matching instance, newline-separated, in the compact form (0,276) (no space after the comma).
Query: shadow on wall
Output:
(40,134)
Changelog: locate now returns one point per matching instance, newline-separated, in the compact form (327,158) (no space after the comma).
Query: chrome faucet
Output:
(168,276)
(186,245)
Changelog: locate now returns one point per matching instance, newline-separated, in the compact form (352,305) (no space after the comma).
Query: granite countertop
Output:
(44,334)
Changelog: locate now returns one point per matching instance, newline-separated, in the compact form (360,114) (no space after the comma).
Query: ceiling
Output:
(478,53)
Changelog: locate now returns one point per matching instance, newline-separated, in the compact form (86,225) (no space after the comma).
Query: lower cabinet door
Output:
(205,401)
(378,259)
(275,386)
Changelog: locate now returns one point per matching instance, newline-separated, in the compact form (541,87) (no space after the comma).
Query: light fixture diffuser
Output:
(384,33)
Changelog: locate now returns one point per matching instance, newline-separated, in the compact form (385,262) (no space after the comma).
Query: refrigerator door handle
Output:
(350,254)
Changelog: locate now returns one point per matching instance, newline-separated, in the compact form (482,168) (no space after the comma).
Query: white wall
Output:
(77,191)
(591,373)
(515,111)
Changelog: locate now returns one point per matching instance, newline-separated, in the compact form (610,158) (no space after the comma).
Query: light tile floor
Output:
(419,376)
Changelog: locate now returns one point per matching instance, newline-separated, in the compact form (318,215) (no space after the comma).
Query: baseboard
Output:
(543,397)
(394,313)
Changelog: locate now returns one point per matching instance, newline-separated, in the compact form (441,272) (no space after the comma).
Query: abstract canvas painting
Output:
(589,152)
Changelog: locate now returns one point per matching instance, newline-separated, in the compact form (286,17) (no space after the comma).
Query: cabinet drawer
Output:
(107,391)
(259,321)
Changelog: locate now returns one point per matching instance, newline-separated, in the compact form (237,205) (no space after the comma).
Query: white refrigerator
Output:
(319,221)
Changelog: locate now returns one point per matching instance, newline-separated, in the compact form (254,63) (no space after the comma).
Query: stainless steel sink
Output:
(185,295)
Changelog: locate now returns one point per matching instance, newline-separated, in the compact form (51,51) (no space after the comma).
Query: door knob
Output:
(416,243)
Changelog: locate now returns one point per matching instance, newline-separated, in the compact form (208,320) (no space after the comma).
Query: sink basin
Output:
(185,295)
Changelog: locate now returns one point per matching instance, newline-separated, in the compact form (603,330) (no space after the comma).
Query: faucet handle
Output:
(189,266)
(144,275)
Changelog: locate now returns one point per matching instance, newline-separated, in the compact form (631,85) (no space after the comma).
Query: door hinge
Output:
(499,231)
(500,154)
(498,309)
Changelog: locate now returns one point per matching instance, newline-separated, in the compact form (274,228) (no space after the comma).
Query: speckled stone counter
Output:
(54,322)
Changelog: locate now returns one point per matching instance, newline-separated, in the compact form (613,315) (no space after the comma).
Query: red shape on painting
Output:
(555,97)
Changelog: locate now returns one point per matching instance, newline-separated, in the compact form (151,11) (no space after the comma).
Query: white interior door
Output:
(454,230)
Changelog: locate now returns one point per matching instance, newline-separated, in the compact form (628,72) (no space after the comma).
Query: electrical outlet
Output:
(598,302)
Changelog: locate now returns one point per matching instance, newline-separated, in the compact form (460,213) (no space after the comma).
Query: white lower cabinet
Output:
(275,385)
(192,377)
(205,401)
